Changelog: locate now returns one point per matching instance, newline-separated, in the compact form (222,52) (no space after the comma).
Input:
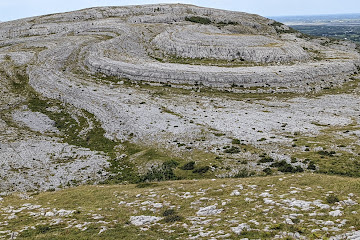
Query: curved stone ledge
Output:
(210,42)
(276,76)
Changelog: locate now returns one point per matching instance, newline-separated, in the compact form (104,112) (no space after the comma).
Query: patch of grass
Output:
(104,201)
(236,62)
(93,139)
(146,185)
(341,162)
(254,234)
(7,57)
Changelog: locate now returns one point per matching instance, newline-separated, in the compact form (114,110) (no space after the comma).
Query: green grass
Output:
(93,139)
(104,201)
(139,156)
(238,62)
(334,158)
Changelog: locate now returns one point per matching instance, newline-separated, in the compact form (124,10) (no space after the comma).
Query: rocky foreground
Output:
(303,206)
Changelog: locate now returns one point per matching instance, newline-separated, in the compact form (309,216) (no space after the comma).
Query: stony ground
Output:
(301,206)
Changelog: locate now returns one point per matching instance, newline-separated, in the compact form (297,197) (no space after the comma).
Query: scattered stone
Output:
(235,193)
(143,220)
(208,211)
(240,228)
(336,213)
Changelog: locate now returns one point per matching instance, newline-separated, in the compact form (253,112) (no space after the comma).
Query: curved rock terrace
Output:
(140,94)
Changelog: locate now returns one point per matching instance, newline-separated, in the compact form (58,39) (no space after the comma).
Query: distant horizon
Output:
(308,15)
(18,9)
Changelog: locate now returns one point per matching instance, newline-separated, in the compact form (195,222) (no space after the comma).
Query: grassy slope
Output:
(98,206)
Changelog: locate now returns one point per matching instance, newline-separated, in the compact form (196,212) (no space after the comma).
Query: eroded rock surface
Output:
(175,77)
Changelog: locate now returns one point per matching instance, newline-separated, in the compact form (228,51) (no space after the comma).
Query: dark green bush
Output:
(235,141)
(168,212)
(326,153)
(42,229)
(311,166)
(266,159)
(162,173)
(233,149)
(196,19)
(267,171)
(332,199)
(173,218)
(170,164)
(227,23)
(188,166)
(285,167)
(201,169)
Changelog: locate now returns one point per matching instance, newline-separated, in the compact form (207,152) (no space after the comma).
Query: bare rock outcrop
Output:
(92,61)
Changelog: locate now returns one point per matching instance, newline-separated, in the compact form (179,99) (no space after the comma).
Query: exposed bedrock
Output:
(49,77)
(274,76)
(138,42)
(211,42)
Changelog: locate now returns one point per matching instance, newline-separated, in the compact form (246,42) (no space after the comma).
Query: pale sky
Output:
(14,9)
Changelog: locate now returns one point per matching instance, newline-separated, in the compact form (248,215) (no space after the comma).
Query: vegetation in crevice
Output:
(71,128)
(281,28)
(198,19)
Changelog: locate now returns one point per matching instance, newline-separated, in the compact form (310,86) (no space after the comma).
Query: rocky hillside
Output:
(171,92)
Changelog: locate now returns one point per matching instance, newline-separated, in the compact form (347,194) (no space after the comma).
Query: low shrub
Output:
(285,167)
(197,19)
(232,150)
(168,212)
(170,216)
(243,173)
(311,166)
(163,173)
(267,171)
(188,166)
(326,153)
(266,159)
(331,199)
(173,218)
(201,169)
